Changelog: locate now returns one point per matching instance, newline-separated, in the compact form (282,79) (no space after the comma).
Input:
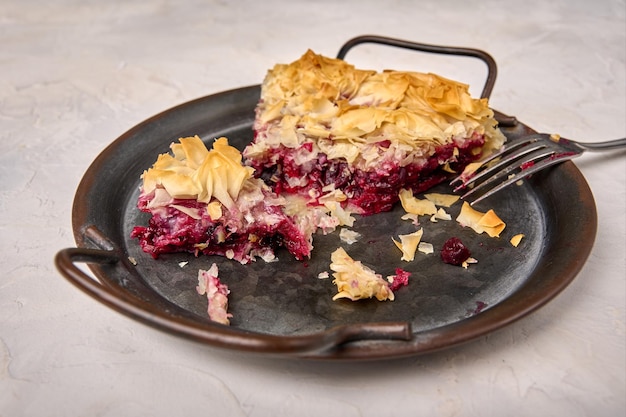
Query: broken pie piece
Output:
(217,294)
(356,281)
(206,201)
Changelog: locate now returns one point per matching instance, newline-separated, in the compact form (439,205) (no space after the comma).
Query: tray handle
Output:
(492,68)
(66,259)
(211,333)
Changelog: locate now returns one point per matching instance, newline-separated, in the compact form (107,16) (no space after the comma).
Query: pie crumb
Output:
(515,240)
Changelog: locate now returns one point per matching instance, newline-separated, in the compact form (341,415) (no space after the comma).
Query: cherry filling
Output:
(170,231)
(454,252)
(400,279)
(371,191)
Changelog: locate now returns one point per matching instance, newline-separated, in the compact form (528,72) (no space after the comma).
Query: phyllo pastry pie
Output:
(324,129)
(207,201)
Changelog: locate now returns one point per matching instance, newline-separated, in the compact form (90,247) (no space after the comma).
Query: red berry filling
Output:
(370,191)
(170,230)
(454,252)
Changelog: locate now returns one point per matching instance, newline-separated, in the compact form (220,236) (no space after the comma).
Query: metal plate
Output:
(277,305)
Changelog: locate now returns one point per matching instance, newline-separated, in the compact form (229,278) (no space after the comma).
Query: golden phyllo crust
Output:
(320,97)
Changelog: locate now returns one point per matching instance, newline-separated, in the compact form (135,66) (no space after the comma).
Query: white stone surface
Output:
(77,74)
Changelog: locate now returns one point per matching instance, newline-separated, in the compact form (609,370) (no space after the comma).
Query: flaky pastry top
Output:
(320,97)
(192,171)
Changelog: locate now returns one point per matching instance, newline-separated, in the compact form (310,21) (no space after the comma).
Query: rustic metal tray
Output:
(282,308)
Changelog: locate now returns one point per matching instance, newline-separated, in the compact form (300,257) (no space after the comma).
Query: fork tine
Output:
(486,161)
(520,160)
(484,169)
(540,162)
(508,162)
(505,167)
(501,167)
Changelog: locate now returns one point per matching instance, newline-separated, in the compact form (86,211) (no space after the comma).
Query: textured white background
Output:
(74,75)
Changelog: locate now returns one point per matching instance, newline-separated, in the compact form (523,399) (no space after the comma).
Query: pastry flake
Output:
(488,222)
(408,244)
(413,205)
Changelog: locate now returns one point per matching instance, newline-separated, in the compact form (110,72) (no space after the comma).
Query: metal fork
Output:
(521,159)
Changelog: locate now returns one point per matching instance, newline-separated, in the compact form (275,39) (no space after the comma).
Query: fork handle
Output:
(603,146)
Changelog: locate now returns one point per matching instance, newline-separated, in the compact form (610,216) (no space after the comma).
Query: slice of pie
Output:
(206,201)
(327,131)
